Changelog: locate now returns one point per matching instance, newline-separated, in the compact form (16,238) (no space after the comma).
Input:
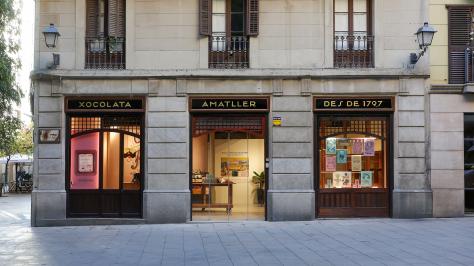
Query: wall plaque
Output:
(353,104)
(50,135)
(247,104)
(89,104)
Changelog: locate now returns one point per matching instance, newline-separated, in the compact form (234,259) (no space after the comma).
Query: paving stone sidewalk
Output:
(320,242)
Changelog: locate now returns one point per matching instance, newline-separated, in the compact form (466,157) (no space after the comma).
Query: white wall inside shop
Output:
(244,191)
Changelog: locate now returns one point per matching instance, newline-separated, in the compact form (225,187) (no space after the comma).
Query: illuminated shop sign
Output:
(229,104)
(354,104)
(91,105)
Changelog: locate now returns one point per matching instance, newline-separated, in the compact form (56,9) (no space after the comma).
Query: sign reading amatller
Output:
(229,104)
(104,104)
(381,104)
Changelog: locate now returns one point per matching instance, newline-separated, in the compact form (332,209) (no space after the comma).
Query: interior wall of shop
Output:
(244,195)
(447,152)
(438,18)
(293,34)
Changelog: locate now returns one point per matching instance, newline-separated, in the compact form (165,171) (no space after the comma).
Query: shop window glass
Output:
(85,161)
(353,153)
(111,160)
(131,163)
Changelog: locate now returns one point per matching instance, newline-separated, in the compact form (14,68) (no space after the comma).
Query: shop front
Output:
(354,158)
(228,179)
(104,156)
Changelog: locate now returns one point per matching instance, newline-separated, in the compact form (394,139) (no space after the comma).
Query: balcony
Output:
(228,52)
(353,51)
(105,53)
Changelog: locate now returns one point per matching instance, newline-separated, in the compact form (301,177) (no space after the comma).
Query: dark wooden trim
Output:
(349,212)
(100,194)
(103,98)
(244,97)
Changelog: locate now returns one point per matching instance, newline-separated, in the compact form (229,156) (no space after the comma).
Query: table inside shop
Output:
(206,200)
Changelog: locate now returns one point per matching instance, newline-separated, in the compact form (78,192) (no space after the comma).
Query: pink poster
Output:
(84,161)
(331,163)
(369,147)
(358,146)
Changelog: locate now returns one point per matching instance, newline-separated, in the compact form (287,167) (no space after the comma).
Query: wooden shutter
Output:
(205,17)
(252,17)
(459,29)
(116,18)
(92,20)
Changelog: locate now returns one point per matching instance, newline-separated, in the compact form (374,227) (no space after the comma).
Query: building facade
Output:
(451,106)
(174,111)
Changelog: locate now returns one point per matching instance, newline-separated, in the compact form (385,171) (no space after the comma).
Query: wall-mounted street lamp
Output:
(424,36)
(51,35)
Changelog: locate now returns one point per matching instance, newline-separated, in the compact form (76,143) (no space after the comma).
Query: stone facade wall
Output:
(291,194)
(447,152)
(163,34)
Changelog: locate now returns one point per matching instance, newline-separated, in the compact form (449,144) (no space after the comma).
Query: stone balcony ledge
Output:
(356,73)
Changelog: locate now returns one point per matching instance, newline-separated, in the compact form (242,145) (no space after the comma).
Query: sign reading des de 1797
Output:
(229,104)
(353,104)
(104,104)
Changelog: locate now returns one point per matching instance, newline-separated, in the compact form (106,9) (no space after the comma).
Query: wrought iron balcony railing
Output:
(105,53)
(228,52)
(353,51)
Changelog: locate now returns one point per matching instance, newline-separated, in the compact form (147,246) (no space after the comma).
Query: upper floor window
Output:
(105,34)
(228,23)
(460,44)
(353,40)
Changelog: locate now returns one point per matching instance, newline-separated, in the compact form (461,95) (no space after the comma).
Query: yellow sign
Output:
(277,121)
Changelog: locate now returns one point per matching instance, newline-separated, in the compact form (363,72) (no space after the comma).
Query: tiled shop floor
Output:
(320,242)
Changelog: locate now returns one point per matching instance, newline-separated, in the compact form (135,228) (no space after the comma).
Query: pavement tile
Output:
(321,242)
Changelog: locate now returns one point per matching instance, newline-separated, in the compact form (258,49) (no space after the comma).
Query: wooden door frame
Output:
(100,190)
(390,140)
(235,114)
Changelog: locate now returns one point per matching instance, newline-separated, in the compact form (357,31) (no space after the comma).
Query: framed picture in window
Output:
(49,136)
(86,162)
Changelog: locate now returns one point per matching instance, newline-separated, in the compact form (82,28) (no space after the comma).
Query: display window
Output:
(228,167)
(353,165)
(105,152)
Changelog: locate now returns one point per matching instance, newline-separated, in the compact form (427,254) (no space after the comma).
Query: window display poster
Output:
(85,163)
(342,179)
(329,182)
(369,147)
(357,146)
(366,178)
(331,146)
(341,156)
(331,163)
(343,142)
(235,166)
(356,162)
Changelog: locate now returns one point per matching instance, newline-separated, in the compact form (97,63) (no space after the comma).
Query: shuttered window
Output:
(459,40)
(229,17)
(105,34)
(105,18)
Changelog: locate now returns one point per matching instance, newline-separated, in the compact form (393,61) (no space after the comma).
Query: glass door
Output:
(228,174)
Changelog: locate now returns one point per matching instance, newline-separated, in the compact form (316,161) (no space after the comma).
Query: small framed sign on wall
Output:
(49,136)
